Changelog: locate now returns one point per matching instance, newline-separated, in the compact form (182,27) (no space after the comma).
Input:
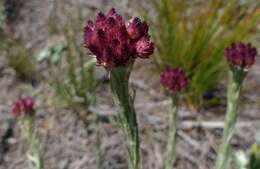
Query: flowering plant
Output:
(240,57)
(174,80)
(24,108)
(116,44)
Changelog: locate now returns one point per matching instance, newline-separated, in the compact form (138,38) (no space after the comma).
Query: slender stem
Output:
(234,87)
(170,155)
(69,59)
(35,155)
(99,155)
(126,114)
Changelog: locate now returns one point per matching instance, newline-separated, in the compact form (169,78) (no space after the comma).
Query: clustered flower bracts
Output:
(115,42)
(240,54)
(174,79)
(23,106)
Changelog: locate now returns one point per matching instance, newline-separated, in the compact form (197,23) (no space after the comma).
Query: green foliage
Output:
(72,73)
(72,82)
(18,55)
(126,115)
(194,35)
(35,155)
(52,54)
(254,162)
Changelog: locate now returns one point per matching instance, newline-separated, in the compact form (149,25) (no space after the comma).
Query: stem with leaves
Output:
(126,114)
(170,155)
(236,77)
(35,155)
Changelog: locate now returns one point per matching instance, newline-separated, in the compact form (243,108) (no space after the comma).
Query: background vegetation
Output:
(193,35)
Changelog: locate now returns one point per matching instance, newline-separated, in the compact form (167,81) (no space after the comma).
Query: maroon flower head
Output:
(240,54)
(23,106)
(112,42)
(174,79)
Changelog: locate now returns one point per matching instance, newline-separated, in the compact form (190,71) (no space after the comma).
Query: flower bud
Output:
(136,29)
(144,47)
(174,79)
(240,54)
(23,106)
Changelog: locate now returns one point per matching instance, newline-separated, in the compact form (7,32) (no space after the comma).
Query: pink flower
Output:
(240,54)
(174,79)
(112,42)
(144,47)
(23,106)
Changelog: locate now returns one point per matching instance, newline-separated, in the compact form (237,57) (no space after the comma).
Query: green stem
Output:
(126,114)
(99,155)
(69,59)
(35,155)
(170,155)
(234,87)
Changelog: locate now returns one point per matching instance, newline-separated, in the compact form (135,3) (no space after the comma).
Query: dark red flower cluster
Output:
(174,79)
(22,106)
(240,54)
(114,42)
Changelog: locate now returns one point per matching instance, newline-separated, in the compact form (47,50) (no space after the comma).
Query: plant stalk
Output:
(126,114)
(35,155)
(98,150)
(170,155)
(236,77)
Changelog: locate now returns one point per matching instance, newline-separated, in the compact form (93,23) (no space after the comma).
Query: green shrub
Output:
(194,35)
(18,55)
(72,73)
(19,58)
